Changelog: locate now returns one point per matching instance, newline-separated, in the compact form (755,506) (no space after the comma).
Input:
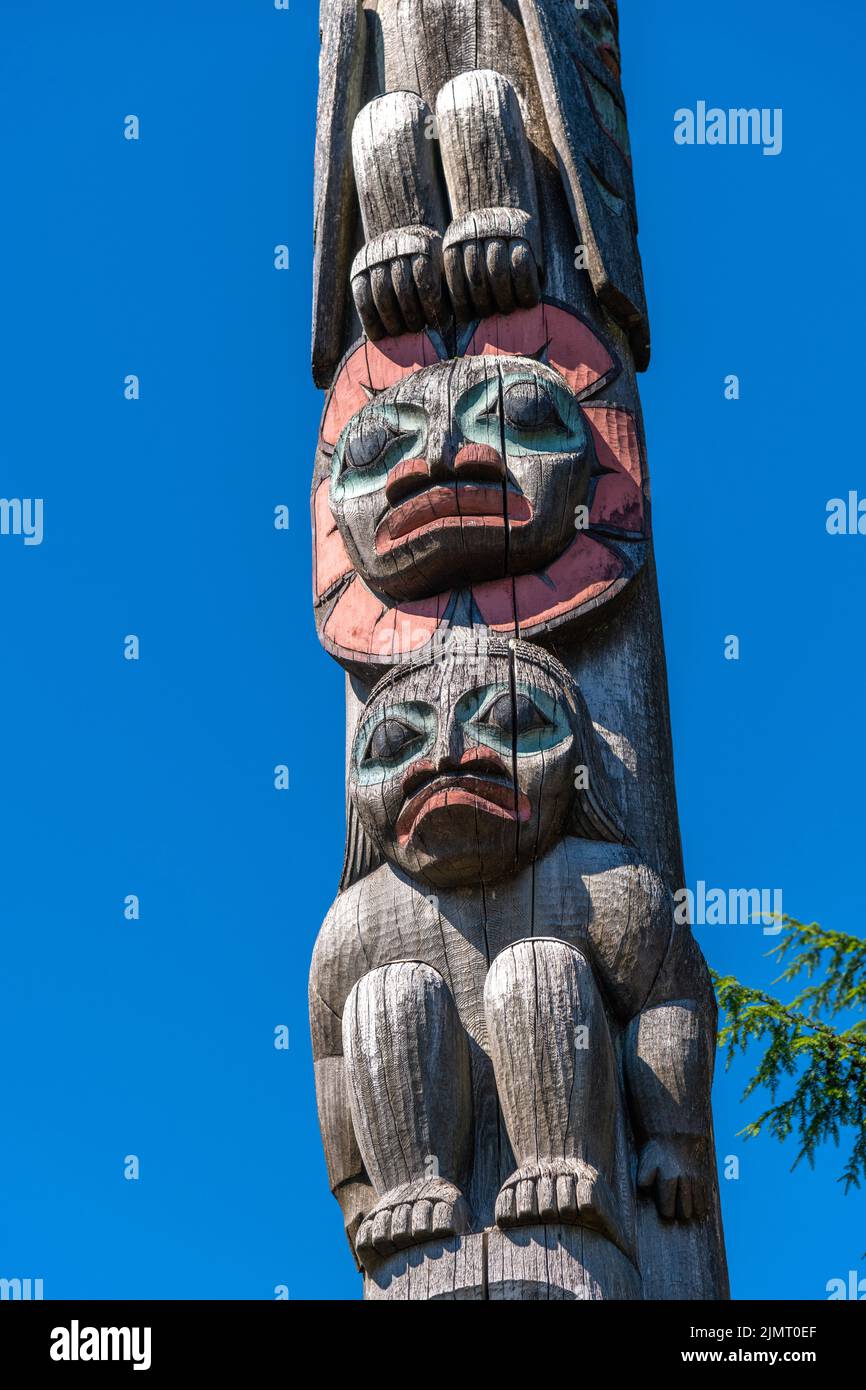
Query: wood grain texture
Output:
(407,1072)
(556,1079)
(442,1271)
(492,248)
(341,78)
(397,275)
(542,1263)
(559,1264)
(595,170)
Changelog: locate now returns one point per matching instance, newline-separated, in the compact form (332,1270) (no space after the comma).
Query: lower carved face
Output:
(451,759)
(466,471)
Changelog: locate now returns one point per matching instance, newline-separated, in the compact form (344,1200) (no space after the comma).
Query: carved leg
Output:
(407,1073)
(556,1077)
(397,275)
(492,249)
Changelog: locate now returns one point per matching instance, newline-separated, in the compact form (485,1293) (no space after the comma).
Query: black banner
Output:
(155,1338)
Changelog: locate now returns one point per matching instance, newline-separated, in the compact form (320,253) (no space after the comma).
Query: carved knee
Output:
(551,1051)
(400,983)
(407,1073)
(515,970)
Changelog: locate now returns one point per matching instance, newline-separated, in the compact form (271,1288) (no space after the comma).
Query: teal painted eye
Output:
(529,405)
(514,717)
(392,738)
(376,439)
(534,414)
(523,720)
(368,441)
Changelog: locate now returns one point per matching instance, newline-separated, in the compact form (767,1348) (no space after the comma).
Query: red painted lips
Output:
(450,504)
(485,795)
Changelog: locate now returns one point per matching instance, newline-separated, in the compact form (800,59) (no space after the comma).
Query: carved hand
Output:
(675,1168)
(397,282)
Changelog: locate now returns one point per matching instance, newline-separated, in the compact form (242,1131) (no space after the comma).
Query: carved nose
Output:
(447,755)
(448,752)
(406,477)
(440,457)
(480,463)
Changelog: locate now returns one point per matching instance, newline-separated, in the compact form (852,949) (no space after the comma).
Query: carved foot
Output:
(565,1190)
(397,283)
(491,263)
(427,1209)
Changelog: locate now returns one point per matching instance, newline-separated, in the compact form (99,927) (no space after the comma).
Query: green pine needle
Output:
(827,1064)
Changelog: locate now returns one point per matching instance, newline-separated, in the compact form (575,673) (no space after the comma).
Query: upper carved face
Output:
(463,472)
(451,758)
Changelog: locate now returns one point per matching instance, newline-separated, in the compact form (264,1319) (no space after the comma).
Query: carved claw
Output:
(397,283)
(674,1169)
(427,1209)
(492,263)
(566,1190)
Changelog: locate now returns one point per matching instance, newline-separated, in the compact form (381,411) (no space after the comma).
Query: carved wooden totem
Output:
(513,1035)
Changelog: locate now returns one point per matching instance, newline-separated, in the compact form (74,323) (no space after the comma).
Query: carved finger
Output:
(443,1219)
(401,1225)
(364,1242)
(506,1207)
(382,1233)
(366,306)
(455,274)
(427,275)
(499,274)
(386,300)
(475,265)
(666,1196)
(422,1219)
(648,1170)
(525,274)
(566,1197)
(527,1200)
(407,295)
(547,1205)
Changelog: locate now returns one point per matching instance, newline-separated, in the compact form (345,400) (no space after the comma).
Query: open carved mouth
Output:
(451,504)
(486,795)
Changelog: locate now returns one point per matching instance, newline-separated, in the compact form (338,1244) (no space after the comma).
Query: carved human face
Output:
(450,761)
(463,472)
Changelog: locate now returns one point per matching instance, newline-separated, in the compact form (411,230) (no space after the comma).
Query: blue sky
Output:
(155,777)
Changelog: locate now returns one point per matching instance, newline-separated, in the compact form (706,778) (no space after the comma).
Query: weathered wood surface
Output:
(513,1036)
(543,1263)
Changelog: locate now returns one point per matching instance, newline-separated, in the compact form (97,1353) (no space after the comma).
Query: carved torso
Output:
(599,898)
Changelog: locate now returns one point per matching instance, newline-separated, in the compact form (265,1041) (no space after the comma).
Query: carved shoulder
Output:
(338,962)
(629,918)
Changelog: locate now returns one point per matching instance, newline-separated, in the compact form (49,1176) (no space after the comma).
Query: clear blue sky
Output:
(155,1038)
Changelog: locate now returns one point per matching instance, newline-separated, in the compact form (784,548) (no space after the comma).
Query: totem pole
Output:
(513,1032)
